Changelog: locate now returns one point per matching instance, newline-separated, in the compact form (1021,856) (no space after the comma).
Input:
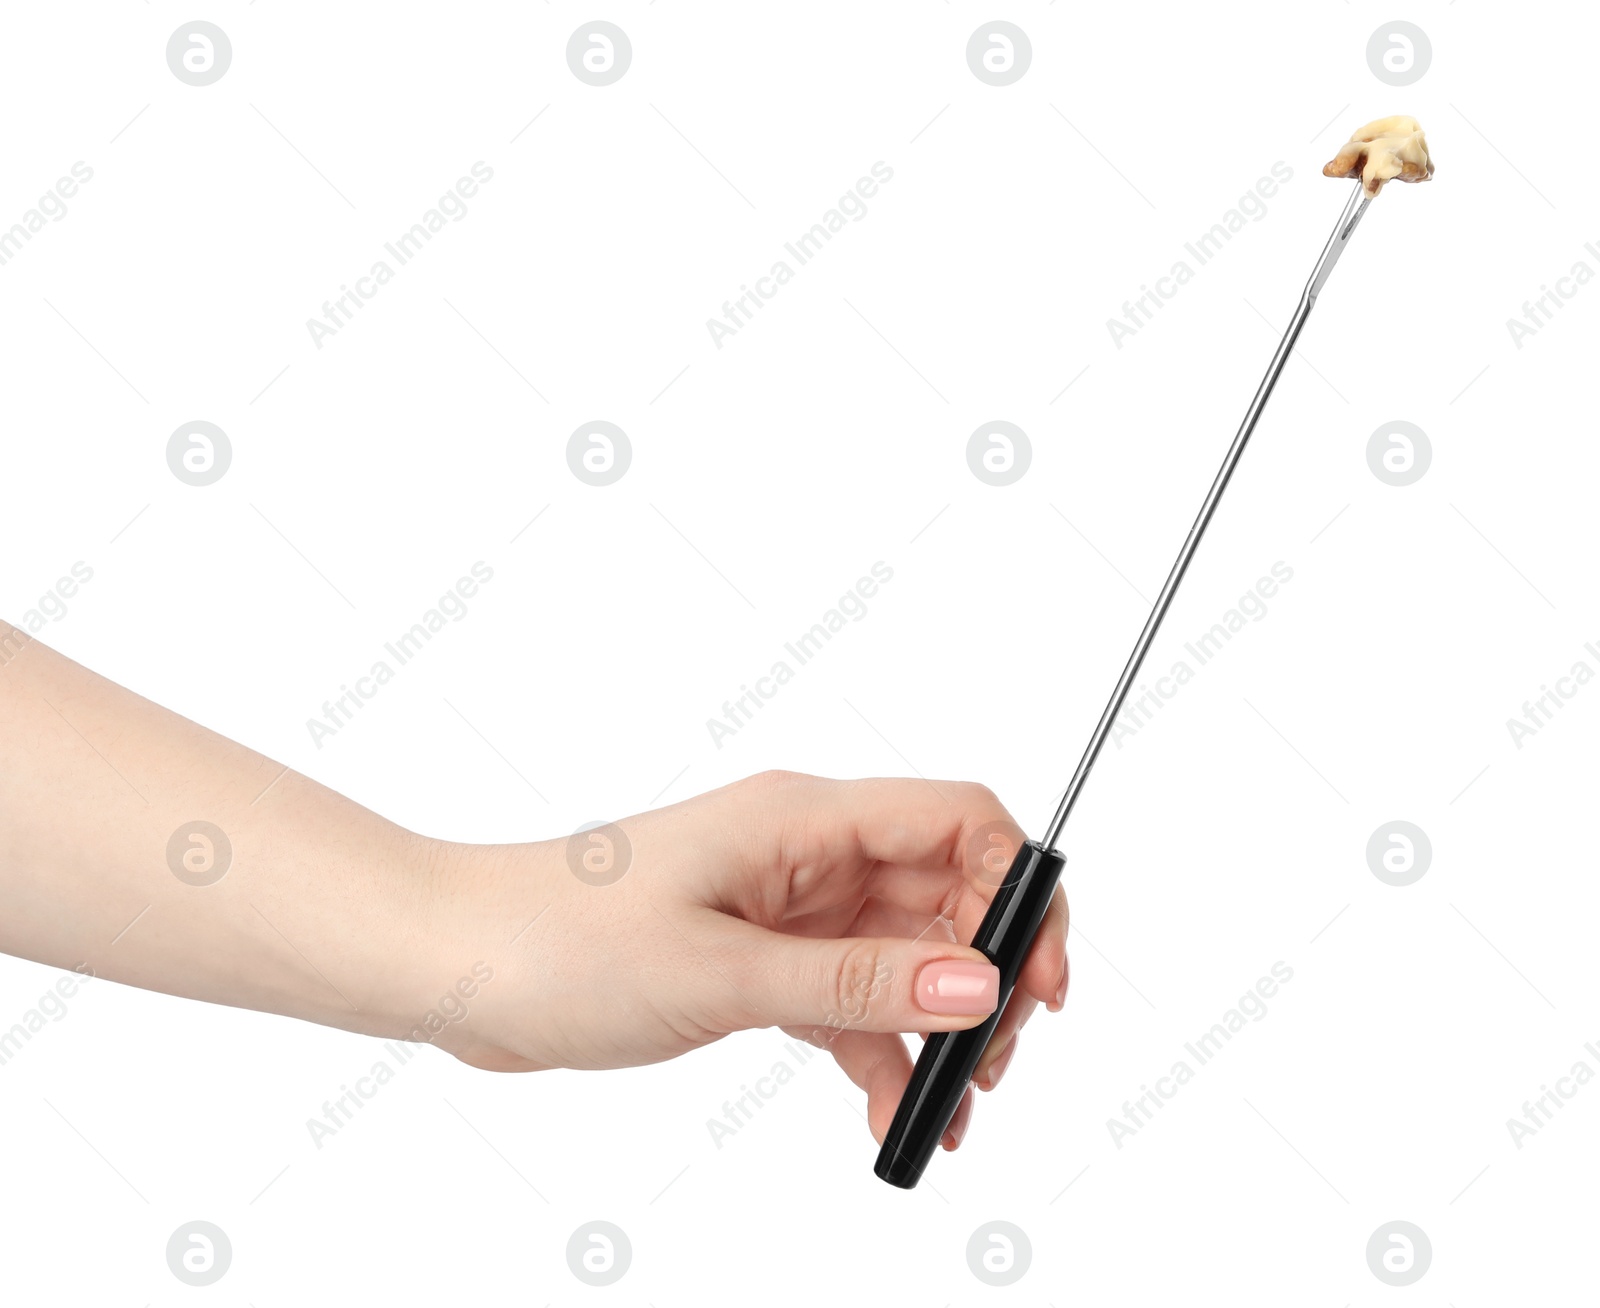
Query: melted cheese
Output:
(1382,151)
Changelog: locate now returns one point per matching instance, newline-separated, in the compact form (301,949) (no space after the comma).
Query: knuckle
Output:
(856,983)
(979,796)
(773,779)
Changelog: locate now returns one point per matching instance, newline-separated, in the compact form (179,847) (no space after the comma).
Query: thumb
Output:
(863,983)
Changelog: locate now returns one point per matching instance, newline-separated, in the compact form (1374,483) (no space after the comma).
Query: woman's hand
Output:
(140,847)
(828,908)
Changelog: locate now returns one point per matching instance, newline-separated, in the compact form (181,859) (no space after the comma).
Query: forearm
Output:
(307,904)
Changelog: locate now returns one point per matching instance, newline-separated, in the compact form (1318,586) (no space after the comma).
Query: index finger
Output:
(924,826)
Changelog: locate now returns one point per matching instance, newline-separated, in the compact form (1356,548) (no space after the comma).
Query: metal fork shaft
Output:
(1354,208)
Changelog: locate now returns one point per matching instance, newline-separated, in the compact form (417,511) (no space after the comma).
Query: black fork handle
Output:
(948,1059)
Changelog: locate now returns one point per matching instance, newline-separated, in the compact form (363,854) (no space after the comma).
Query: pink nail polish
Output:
(960,1120)
(1000,1064)
(954,987)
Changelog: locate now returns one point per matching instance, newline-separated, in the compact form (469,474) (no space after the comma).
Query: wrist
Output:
(457,974)
(419,947)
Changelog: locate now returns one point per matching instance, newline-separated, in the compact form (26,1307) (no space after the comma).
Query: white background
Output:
(831,433)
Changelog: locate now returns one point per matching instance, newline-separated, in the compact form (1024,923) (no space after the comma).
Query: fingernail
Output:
(998,1068)
(953,987)
(1061,988)
(960,1120)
